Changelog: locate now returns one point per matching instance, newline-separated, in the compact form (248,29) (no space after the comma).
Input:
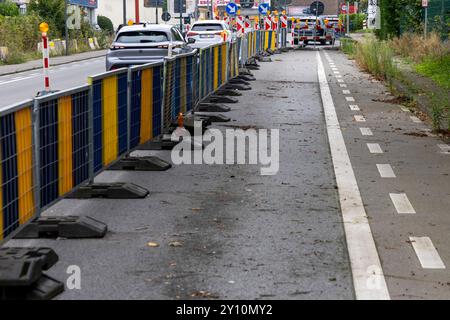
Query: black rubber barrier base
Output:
(222,99)
(240,87)
(245,71)
(69,227)
(238,81)
(265,59)
(141,164)
(117,190)
(252,67)
(213,107)
(21,276)
(217,117)
(246,77)
(228,92)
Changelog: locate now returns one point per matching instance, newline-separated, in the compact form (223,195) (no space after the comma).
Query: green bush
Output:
(356,20)
(52,12)
(9,9)
(105,24)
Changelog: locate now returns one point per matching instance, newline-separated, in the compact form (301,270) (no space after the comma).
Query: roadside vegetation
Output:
(20,33)
(400,54)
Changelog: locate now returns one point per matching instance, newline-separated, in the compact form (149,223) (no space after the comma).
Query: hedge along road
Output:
(17,87)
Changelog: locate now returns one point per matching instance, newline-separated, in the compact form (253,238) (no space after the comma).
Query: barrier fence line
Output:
(56,143)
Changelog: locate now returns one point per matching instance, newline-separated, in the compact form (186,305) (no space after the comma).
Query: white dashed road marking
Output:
(340,80)
(343,85)
(359,118)
(346,91)
(415,119)
(374,148)
(402,203)
(426,253)
(386,171)
(350,99)
(366,131)
(364,259)
(445,148)
(354,107)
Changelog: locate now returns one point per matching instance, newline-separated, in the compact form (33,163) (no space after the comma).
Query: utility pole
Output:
(136,10)
(181,14)
(210,9)
(66,28)
(124,12)
(348,17)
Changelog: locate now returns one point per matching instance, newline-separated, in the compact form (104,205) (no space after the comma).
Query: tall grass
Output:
(416,48)
(376,57)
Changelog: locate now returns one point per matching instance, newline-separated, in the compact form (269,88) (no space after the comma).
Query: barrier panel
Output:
(179,90)
(270,40)
(233,70)
(17,172)
(63,146)
(146,97)
(110,117)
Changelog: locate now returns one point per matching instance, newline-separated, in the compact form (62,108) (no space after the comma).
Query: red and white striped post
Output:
(45,55)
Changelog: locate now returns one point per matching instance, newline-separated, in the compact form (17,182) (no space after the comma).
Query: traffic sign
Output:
(232,8)
(263,8)
(317,8)
(425,3)
(166,16)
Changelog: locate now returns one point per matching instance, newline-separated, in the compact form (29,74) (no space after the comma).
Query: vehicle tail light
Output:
(116,47)
(191,34)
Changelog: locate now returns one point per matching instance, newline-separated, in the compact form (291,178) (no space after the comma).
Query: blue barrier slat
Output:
(9,174)
(157,100)
(80,138)
(97,115)
(122,112)
(136,87)
(48,120)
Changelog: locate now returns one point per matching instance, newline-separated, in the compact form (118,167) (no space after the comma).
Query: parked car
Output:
(144,43)
(207,32)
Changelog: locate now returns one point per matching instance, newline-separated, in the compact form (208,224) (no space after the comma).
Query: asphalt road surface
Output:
(21,86)
(358,209)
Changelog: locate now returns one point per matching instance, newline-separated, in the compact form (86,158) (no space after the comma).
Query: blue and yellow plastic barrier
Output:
(146,102)
(63,143)
(17,199)
(110,94)
(270,40)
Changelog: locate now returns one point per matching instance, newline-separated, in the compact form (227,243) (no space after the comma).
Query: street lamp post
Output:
(124,12)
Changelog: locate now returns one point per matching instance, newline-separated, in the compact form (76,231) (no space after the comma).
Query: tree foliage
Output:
(52,12)
(105,24)
(9,9)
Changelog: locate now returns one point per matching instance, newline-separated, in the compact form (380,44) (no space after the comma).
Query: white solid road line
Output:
(366,131)
(354,107)
(359,118)
(374,148)
(415,119)
(386,171)
(445,148)
(368,277)
(426,253)
(402,203)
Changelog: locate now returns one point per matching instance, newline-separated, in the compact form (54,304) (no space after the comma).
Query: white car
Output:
(207,32)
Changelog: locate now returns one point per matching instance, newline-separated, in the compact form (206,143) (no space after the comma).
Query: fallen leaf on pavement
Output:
(153,244)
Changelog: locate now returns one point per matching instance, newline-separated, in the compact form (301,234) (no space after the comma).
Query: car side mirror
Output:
(191,40)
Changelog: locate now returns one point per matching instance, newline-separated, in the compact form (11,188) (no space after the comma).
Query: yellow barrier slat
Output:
(65,166)
(146,105)
(24,141)
(110,119)
(216,67)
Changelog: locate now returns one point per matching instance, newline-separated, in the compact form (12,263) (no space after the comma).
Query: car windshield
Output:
(207,27)
(142,37)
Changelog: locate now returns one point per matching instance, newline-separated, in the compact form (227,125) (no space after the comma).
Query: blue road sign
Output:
(232,8)
(263,8)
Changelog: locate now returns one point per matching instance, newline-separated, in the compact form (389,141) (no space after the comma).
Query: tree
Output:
(9,8)
(52,12)
(105,24)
